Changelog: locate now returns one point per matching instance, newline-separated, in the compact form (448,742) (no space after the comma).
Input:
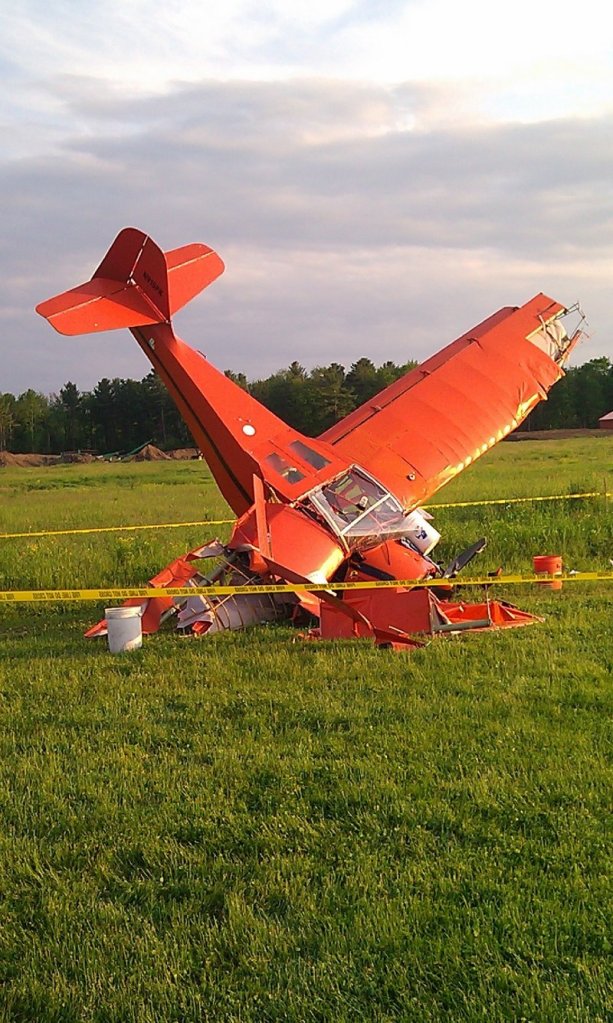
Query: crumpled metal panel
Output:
(293,539)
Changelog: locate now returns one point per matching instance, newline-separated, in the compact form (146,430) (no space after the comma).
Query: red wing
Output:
(422,430)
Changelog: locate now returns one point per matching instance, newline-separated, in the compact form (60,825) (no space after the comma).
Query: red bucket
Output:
(549,564)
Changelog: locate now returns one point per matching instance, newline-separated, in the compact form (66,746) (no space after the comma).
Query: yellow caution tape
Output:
(116,529)
(519,500)
(122,593)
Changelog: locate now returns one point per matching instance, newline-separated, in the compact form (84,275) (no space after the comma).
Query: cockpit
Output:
(359,510)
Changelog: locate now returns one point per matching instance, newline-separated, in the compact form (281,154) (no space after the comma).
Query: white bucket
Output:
(421,533)
(124,628)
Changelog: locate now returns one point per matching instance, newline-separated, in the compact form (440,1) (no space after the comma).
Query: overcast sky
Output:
(378,175)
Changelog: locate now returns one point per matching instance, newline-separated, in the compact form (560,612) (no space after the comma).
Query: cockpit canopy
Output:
(359,509)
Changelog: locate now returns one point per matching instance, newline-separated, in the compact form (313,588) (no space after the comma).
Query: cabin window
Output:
(287,471)
(308,455)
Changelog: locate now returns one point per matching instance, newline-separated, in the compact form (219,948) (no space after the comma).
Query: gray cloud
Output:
(344,233)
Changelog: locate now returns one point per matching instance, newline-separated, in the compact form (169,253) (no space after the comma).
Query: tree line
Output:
(119,415)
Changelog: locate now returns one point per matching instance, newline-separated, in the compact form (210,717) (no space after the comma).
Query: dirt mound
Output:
(184,454)
(27,461)
(148,454)
(553,434)
(77,457)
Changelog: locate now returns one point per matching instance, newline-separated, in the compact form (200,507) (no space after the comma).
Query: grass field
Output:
(254,828)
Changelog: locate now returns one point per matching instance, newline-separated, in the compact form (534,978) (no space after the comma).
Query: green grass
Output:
(254,828)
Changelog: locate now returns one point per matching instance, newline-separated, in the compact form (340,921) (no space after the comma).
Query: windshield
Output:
(359,509)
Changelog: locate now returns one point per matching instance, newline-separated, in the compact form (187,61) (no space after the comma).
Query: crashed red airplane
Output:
(342,507)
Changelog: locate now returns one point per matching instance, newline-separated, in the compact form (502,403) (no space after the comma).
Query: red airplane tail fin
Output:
(136,284)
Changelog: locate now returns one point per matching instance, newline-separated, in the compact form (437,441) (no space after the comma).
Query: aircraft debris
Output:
(345,506)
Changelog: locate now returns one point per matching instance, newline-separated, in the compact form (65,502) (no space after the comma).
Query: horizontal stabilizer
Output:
(136,284)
